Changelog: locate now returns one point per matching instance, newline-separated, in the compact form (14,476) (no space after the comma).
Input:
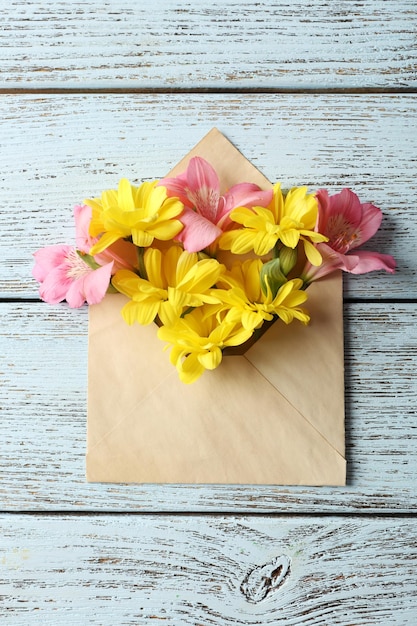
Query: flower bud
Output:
(272,276)
(288,259)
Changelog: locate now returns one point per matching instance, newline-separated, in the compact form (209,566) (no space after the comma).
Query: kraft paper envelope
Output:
(274,415)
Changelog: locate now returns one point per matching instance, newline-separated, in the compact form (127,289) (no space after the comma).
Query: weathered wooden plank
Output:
(138,570)
(182,44)
(58,150)
(43,366)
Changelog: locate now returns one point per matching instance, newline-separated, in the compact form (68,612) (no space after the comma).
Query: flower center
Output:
(76,267)
(342,235)
(206,201)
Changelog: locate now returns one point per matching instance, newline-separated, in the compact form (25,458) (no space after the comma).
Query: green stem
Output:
(141,262)
(188,310)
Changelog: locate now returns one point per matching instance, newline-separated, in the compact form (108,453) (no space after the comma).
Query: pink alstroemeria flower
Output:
(63,275)
(347,223)
(206,213)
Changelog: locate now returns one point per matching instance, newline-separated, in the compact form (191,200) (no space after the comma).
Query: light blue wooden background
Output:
(317,93)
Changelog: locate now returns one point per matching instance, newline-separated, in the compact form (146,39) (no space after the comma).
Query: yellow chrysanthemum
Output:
(176,280)
(198,340)
(287,219)
(245,300)
(143,213)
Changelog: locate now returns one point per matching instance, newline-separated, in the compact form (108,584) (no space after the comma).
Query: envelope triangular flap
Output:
(272,416)
(306,363)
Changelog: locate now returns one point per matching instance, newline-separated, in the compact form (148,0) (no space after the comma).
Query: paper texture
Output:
(272,416)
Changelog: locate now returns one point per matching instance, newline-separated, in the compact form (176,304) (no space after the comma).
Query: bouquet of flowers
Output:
(210,270)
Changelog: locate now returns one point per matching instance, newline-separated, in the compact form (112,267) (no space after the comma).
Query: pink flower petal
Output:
(323,200)
(47,259)
(198,232)
(96,283)
(177,188)
(55,286)
(332,261)
(371,261)
(75,293)
(201,174)
(82,216)
(91,287)
(348,204)
(203,188)
(371,221)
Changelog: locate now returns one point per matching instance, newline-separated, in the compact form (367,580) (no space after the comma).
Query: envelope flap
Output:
(306,363)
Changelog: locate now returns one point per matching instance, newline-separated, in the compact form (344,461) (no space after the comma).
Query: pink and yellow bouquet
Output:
(209,269)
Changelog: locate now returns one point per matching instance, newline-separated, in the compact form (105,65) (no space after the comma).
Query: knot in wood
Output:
(264,579)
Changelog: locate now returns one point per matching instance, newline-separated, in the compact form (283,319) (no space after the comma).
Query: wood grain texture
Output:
(43,366)
(73,553)
(57,150)
(179,571)
(124,44)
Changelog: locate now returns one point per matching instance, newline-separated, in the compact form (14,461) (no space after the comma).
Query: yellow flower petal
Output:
(153,266)
(124,196)
(201,277)
(211,359)
(312,254)
(104,242)
(164,230)
(252,319)
(143,313)
(141,238)
(126,282)
(183,264)
(191,369)
(243,241)
(290,238)
(168,314)
(171,259)
(264,242)
(252,282)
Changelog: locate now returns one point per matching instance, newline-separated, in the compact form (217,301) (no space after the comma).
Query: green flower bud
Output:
(288,259)
(272,276)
